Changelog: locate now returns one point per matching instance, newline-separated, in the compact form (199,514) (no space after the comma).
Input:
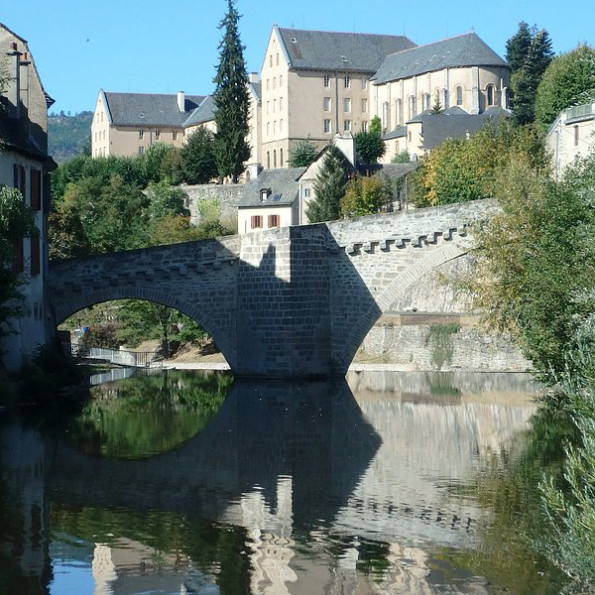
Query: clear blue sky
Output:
(164,46)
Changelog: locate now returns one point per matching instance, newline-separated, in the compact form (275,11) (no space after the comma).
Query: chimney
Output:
(346,144)
(253,77)
(181,101)
(14,81)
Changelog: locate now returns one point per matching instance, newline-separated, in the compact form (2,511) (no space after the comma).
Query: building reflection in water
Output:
(338,489)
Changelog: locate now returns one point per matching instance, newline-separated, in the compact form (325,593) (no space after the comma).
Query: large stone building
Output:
(127,124)
(24,164)
(315,84)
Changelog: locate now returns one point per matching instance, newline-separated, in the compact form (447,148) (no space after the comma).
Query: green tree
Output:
(529,53)
(198,158)
(329,187)
(232,100)
(166,200)
(467,169)
(16,222)
(376,125)
(364,196)
(369,147)
(569,80)
(302,154)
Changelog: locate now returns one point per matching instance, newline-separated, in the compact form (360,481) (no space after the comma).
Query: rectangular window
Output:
(346,125)
(346,104)
(141,134)
(576,136)
(306,192)
(364,105)
(35,256)
(274,221)
(157,134)
(327,125)
(36,190)
(364,126)
(364,82)
(347,81)
(174,135)
(327,80)
(256,222)
(141,150)
(326,104)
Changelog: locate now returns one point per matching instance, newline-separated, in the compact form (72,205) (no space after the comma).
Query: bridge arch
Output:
(67,308)
(399,285)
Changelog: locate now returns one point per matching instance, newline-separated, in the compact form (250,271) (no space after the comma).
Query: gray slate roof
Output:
(463,50)
(439,127)
(140,109)
(347,52)
(282,182)
(205,112)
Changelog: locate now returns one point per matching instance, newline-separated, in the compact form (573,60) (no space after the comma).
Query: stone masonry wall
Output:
(227,196)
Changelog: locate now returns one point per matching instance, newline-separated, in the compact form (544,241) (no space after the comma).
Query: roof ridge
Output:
(341,32)
(425,45)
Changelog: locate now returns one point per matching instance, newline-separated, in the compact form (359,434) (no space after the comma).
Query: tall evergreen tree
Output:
(529,53)
(329,188)
(232,100)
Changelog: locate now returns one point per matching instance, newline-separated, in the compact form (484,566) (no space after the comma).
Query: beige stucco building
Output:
(127,124)
(571,136)
(25,165)
(315,84)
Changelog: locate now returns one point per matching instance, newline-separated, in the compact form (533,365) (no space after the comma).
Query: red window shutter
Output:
(35,189)
(35,256)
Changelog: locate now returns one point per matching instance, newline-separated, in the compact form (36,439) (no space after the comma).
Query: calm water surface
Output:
(189,483)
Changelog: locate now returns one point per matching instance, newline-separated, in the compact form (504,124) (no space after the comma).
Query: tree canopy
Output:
(569,80)
(329,187)
(198,158)
(529,53)
(303,153)
(232,99)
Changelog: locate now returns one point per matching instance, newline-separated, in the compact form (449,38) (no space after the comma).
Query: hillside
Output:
(68,135)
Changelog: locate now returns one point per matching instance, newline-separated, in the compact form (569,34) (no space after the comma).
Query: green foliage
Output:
(440,339)
(16,222)
(198,158)
(329,188)
(68,136)
(232,100)
(302,154)
(569,80)
(376,125)
(369,147)
(401,157)
(466,169)
(529,53)
(365,196)
(166,200)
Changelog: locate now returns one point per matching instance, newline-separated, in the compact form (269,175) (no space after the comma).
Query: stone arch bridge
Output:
(291,302)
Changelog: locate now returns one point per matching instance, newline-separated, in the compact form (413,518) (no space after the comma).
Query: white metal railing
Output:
(120,357)
(579,111)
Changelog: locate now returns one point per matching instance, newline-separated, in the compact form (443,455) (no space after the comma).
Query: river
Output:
(186,482)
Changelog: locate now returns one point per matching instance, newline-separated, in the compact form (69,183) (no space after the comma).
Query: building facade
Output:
(571,136)
(315,84)
(25,165)
(460,75)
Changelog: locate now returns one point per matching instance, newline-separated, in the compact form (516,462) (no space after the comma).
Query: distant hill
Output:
(68,136)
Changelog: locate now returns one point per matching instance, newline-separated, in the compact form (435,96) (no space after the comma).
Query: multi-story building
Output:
(315,84)
(127,124)
(25,165)
(461,72)
(571,136)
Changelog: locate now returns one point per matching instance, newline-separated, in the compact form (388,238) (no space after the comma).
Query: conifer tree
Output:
(529,53)
(231,100)
(329,188)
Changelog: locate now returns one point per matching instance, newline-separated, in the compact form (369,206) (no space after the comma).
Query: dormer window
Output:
(264,194)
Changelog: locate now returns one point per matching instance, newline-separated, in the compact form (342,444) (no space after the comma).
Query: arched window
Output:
(385,122)
(490,94)
(399,110)
(280,157)
(268,160)
(275,158)
(459,95)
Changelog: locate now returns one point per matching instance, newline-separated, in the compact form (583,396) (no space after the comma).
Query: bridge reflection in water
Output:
(325,491)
